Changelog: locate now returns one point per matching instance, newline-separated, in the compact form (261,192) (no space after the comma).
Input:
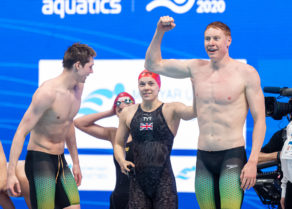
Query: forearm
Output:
(266,157)
(72,147)
(257,140)
(15,151)
(119,153)
(153,54)
(90,119)
(189,113)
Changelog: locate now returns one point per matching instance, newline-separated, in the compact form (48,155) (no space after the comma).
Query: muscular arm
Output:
(119,143)
(41,101)
(256,104)
(72,147)
(186,112)
(87,124)
(255,99)
(155,63)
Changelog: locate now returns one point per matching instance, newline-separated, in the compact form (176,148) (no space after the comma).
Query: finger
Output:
(11,192)
(123,171)
(251,183)
(254,182)
(241,175)
(79,180)
(166,20)
(243,182)
(247,184)
(75,178)
(18,189)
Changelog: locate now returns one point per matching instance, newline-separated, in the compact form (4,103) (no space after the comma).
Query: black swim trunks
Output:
(217,182)
(51,182)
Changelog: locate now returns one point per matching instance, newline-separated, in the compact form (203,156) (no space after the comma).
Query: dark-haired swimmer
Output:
(49,120)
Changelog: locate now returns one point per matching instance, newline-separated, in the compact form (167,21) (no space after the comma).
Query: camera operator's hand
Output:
(282,201)
(248,175)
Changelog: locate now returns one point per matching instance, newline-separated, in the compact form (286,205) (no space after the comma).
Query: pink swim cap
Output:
(126,96)
(147,73)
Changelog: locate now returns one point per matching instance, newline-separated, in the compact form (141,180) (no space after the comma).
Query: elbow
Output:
(152,65)
(148,65)
(76,124)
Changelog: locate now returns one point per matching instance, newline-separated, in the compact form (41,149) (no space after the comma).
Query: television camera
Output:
(268,184)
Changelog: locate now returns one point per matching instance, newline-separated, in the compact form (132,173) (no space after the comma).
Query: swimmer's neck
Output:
(149,106)
(67,80)
(217,63)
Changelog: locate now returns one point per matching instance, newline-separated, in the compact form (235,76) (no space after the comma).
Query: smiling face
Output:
(216,43)
(148,88)
(84,71)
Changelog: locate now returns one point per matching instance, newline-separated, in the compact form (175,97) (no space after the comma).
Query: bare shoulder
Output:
(129,111)
(197,65)
(173,106)
(248,73)
(46,91)
(244,67)
(44,96)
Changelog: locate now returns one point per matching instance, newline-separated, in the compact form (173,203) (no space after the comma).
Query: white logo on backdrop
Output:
(183,6)
(177,6)
(81,7)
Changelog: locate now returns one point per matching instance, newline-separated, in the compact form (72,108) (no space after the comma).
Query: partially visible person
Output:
(49,120)
(23,181)
(153,126)
(286,165)
(226,90)
(271,151)
(5,200)
(120,196)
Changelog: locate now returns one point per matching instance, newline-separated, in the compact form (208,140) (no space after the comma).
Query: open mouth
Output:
(212,50)
(146,94)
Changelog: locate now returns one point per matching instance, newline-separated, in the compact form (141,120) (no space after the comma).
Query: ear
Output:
(229,40)
(77,65)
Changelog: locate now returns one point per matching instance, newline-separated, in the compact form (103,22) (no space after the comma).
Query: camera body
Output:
(268,184)
(274,108)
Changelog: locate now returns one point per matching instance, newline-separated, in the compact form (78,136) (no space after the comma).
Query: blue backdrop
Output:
(122,29)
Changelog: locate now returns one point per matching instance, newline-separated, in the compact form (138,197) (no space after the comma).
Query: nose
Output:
(211,42)
(147,86)
(122,105)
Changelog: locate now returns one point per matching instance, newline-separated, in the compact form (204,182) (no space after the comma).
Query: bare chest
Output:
(219,88)
(64,108)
